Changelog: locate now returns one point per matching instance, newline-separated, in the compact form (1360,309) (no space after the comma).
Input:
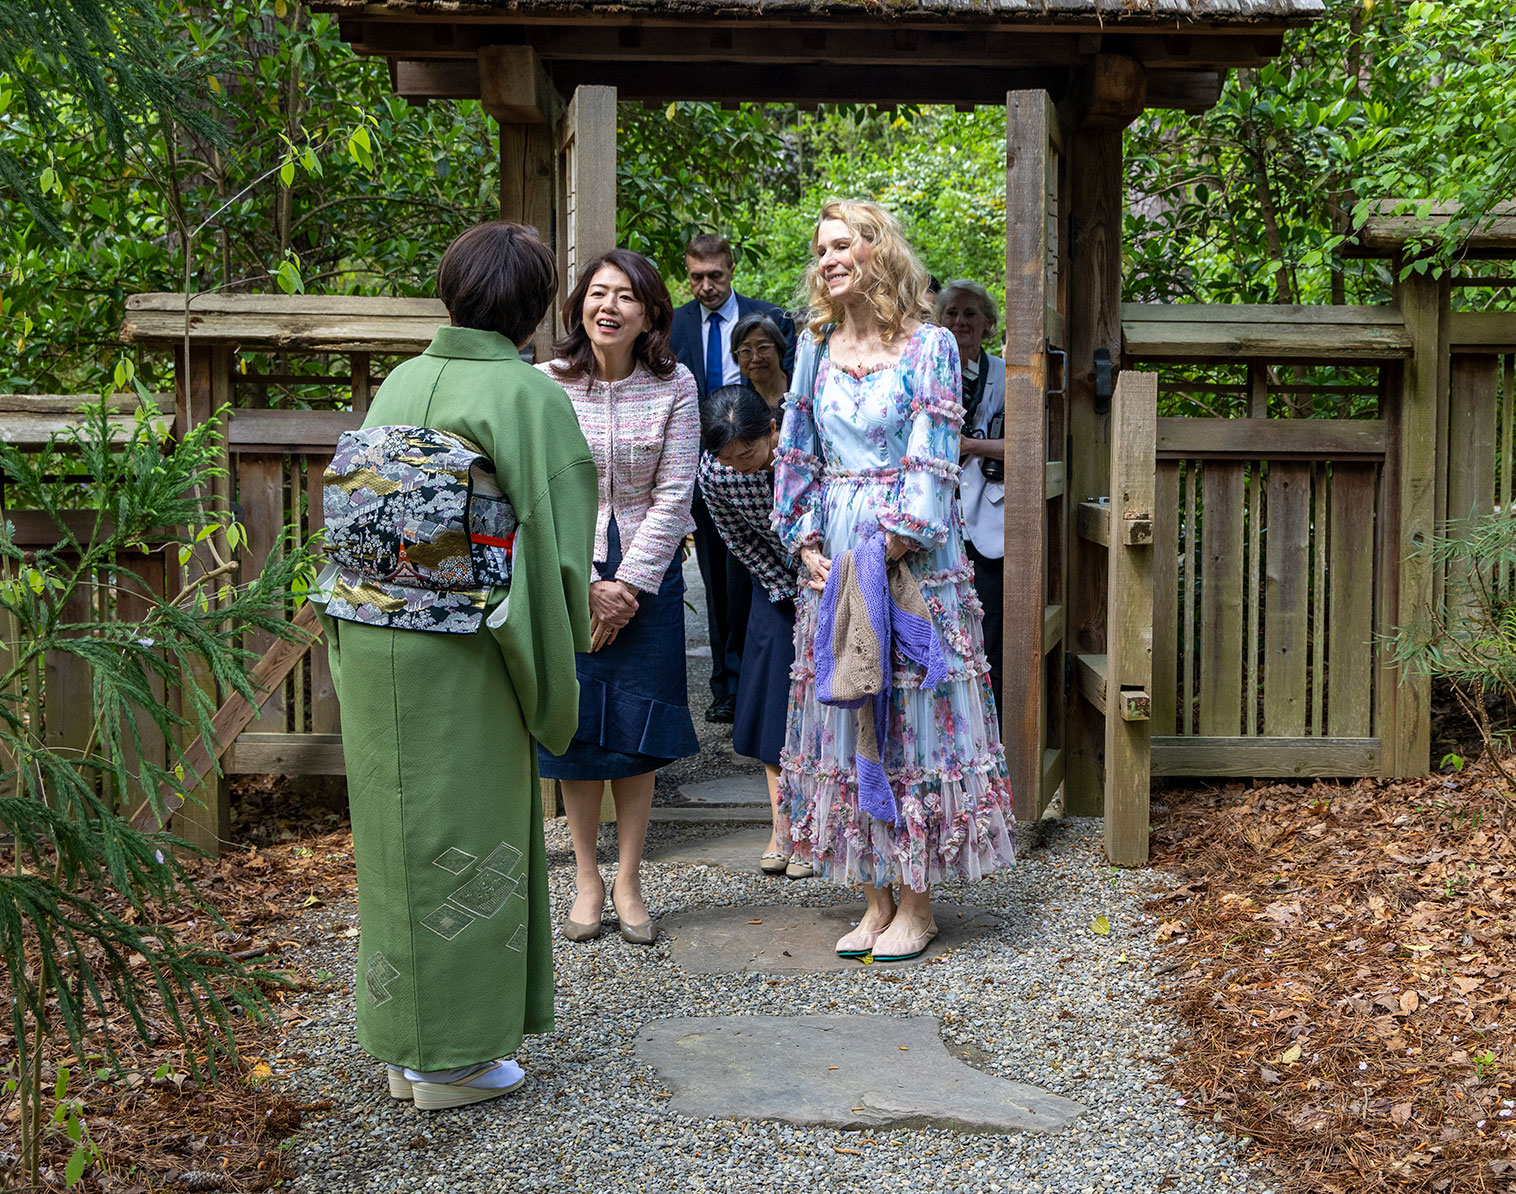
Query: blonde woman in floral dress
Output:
(869,443)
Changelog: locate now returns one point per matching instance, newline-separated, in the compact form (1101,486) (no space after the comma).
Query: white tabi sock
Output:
(505,1073)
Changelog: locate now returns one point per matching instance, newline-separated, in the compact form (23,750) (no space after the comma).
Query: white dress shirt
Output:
(730,373)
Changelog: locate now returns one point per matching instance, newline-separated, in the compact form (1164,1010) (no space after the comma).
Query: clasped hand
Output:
(819,566)
(612,604)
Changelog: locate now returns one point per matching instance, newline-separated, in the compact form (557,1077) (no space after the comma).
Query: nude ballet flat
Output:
(578,930)
(858,943)
(909,947)
(773,863)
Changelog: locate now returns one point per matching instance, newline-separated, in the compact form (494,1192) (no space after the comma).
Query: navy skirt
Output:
(763,688)
(634,708)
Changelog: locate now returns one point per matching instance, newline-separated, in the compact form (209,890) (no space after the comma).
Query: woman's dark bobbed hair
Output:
(734,414)
(651,348)
(499,277)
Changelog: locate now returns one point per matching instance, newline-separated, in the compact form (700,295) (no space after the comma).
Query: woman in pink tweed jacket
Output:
(638,410)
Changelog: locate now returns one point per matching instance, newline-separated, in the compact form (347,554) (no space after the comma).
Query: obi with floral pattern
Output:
(417,530)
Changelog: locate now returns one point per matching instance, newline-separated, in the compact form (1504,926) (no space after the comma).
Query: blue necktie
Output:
(715,359)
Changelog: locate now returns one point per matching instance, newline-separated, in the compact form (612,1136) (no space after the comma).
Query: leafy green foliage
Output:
(1470,646)
(942,172)
(1251,201)
(311,175)
(120,69)
(692,168)
(68,955)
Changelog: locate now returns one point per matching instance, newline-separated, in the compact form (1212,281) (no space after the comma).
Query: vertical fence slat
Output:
(16,693)
(1319,533)
(1473,386)
(1187,626)
(1507,430)
(1350,598)
(1221,600)
(295,492)
(260,490)
(1166,597)
(66,680)
(141,581)
(1287,565)
(1255,590)
(325,716)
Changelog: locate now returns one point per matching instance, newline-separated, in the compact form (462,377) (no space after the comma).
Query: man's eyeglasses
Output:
(748,352)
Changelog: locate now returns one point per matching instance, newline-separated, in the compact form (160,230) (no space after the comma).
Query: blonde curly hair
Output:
(894,282)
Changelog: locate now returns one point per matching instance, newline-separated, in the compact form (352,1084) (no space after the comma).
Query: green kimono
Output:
(455,961)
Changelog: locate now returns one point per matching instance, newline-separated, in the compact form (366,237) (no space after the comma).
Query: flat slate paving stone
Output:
(736,852)
(747,788)
(711,814)
(785,939)
(890,1072)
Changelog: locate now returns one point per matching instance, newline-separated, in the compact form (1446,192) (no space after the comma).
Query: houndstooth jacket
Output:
(742,507)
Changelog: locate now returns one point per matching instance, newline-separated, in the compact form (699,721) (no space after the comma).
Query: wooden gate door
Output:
(585,217)
(1036,451)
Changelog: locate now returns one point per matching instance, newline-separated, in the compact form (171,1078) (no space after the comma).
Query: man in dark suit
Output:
(701,339)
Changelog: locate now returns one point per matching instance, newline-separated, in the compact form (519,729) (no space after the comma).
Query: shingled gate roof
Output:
(1209,12)
(821,51)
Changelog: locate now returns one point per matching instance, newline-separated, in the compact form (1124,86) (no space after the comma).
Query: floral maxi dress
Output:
(880,450)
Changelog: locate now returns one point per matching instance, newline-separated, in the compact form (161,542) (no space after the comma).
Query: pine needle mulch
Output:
(1342,959)
(154,1125)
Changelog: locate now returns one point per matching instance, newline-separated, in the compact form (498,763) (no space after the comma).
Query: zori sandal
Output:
(473,1084)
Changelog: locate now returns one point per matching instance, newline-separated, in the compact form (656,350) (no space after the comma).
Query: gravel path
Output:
(1043,999)
(1065,1009)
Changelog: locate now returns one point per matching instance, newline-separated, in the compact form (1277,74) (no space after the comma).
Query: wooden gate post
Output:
(1095,193)
(1129,619)
(514,89)
(585,219)
(1408,578)
(203,385)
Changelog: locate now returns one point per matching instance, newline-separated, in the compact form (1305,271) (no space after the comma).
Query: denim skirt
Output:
(634,708)
(763,688)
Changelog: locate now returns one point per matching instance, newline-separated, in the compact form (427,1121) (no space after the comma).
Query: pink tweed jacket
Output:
(645,437)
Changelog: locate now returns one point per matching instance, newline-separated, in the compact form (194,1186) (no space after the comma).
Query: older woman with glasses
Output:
(758,346)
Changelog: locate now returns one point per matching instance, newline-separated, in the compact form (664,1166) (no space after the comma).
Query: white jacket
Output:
(984,501)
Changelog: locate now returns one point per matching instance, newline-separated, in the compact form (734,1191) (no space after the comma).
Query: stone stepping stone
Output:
(713,814)
(785,939)
(838,1072)
(735,852)
(743,788)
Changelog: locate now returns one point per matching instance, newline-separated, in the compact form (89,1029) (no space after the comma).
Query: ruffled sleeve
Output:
(922,506)
(798,462)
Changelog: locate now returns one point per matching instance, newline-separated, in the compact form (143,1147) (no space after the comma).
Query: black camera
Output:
(994,469)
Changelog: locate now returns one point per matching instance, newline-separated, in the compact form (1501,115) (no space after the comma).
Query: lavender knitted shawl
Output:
(871,609)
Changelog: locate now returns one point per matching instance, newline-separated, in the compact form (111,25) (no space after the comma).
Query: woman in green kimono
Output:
(439,729)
